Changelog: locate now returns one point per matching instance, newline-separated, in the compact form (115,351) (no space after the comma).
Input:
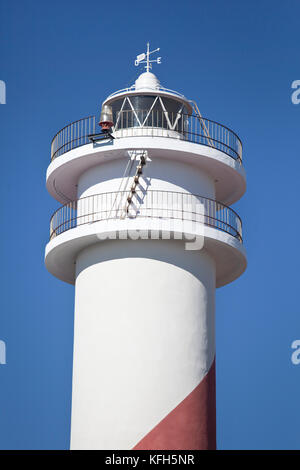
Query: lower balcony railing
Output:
(165,205)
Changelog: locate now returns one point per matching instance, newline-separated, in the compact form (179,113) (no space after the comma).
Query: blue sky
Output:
(59,60)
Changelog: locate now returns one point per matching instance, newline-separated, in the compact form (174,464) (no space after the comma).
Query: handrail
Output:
(152,123)
(152,204)
(77,131)
(132,88)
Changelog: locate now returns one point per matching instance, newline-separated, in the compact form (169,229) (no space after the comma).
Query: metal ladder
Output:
(136,177)
(124,199)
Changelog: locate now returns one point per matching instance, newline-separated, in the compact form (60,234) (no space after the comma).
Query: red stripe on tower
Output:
(191,425)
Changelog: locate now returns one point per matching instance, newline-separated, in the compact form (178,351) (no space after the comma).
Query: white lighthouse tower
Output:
(146,235)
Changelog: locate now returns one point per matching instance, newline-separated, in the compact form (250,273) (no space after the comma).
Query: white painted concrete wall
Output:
(144,337)
(159,174)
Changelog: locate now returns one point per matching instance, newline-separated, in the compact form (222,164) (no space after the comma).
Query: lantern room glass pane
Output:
(161,117)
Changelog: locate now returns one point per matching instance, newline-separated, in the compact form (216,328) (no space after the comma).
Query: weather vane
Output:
(145,58)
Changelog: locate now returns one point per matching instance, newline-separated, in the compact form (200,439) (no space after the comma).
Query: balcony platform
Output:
(198,222)
(64,171)
(228,252)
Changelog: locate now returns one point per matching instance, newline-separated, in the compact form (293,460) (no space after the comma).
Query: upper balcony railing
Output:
(153,204)
(147,123)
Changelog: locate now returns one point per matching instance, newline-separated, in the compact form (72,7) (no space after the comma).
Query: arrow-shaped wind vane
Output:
(144,58)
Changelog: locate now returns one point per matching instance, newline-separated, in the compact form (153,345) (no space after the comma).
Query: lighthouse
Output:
(146,234)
